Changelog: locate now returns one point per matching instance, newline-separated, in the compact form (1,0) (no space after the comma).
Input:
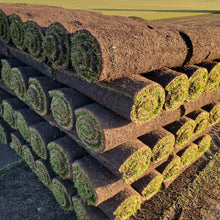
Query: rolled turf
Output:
(5,132)
(44,172)
(63,152)
(201,118)
(17,143)
(108,53)
(63,191)
(204,143)
(183,129)
(3,95)
(176,86)
(129,160)
(123,205)
(29,156)
(40,135)
(188,155)
(56,45)
(4,31)
(33,38)
(9,108)
(149,185)
(170,169)
(7,65)
(86,212)
(16,29)
(214,112)
(161,142)
(25,118)
(197,80)
(63,104)
(37,93)
(19,79)
(89,175)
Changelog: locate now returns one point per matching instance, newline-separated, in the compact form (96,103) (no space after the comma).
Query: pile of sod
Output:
(176,86)
(63,152)
(56,45)
(3,95)
(204,143)
(161,142)
(17,143)
(149,185)
(29,156)
(16,29)
(4,30)
(40,135)
(37,94)
(63,104)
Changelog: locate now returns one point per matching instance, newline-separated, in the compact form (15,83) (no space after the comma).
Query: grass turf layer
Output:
(16,31)
(28,157)
(79,209)
(89,130)
(214,114)
(83,185)
(172,169)
(134,166)
(204,143)
(4,30)
(189,154)
(56,45)
(61,194)
(33,38)
(43,173)
(148,103)
(3,134)
(213,78)
(85,54)
(6,72)
(8,114)
(17,143)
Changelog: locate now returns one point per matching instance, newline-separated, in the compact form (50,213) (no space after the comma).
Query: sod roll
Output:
(204,143)
(19,79)
(63,190)
(201,118)
(176,86)
(63,104)
(63,152)
(123,205)
(129,160)
(213,80)
(29,156)
(188,154)
(40,135)
(5,132)
(197,80)
(9,107)
(25,118)
(170,169)
(44,172)
(214,112)
(161,143)
(87,212)
(7,65)
(149,184)
(183,129)
(17,143)
(56,45)
(37,93)
(108,53)
(16,29)
(33,38)
(94,183)
(4,31)
(3,95)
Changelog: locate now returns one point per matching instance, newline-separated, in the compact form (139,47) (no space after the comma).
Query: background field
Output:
(147,9)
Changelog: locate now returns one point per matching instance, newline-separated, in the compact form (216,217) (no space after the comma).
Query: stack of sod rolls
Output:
(108,110)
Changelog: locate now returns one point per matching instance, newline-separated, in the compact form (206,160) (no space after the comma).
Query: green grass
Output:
(142,8)
(189,155)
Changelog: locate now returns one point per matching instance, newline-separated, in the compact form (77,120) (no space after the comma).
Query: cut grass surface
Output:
(63,191)
(189,154)
(56,45)
(16,31)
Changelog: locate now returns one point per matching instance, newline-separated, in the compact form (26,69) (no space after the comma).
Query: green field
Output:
(147,9)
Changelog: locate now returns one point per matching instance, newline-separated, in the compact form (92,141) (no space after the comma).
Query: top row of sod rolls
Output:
(105,51)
